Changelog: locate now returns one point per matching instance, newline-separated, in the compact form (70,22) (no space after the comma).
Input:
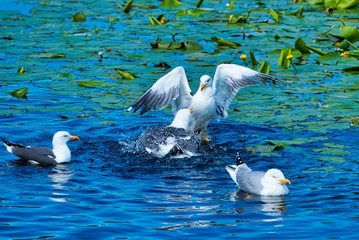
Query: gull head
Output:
(275,176)
(62,137)
(205,81)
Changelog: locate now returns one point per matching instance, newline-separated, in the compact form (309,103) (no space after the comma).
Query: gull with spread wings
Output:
(211,100)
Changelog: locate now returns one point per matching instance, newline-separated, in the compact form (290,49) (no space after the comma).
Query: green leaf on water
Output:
(340,4)
(193,13)
(264,68)
(350,33)
(225,43)
(79,17)
(285,58)
(125,75)
(59,55)
(274,15)
(20,93)
(21,70)
(351,69)
(354,121)
(90,83)
(128,6)
(304,48)
(170,4)
(301,46)
(160,20)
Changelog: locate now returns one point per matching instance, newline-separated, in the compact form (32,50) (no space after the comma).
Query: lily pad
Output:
(225,43)
(20,93)
(125,74)
(79,17)
(350,33)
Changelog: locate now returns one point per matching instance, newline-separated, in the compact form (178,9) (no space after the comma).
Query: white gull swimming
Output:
(60,153)
(269,183)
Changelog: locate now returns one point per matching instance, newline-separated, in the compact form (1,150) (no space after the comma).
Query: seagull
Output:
(270,183)
(172,140)
(212,98)
(42,155)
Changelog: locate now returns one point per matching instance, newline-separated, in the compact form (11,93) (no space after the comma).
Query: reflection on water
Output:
(60,176)
(270,205)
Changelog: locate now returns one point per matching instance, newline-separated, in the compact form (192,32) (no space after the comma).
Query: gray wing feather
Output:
(250,181)
(229,78)
(172,87)
(42,155)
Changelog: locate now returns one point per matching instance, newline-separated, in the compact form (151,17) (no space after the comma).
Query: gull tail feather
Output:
(231,169)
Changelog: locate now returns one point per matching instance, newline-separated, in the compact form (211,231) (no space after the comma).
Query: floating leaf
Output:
(253,59)
(170,3)
(354,121)
(21,70)
(350,33)
(264,68)
(225,43)
(199,3)
(351,69)
(239,18)
(126,75)
(59,55)
(96,29)
(340,4)
(112,20)
(304,48)
(275,15)
(284,59)
(194,13)
(20,93)
(79,17)
(128,6)
(301,46)
(90,84)
(160,20)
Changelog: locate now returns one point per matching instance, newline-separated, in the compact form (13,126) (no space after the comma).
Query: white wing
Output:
(172,87)
(229,78)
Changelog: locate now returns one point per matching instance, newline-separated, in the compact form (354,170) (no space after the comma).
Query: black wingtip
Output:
(239,159)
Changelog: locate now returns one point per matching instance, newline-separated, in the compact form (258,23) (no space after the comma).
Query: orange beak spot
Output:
(74,138)
(284,181)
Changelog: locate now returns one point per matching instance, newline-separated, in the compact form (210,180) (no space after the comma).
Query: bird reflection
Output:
(60,176)
(271,205)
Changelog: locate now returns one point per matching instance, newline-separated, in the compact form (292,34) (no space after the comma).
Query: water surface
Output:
(109,191)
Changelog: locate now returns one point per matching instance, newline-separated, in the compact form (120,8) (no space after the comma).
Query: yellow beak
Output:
(202,86)
(191,109)
(74,138)
(284,181)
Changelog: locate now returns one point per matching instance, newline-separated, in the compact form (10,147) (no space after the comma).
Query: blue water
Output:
(109,191)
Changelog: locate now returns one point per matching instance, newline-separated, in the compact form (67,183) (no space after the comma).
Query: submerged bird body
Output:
(210,101)
(44,155)
(172,140)
(270,183)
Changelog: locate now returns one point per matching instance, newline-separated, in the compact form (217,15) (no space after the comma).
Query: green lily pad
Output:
(340,4)
(274,15)
(225,43)
(21,70)
(125,74)
(170,4)
(79,17)
(20,93)
(350,33)
(90,84)
(128,6)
